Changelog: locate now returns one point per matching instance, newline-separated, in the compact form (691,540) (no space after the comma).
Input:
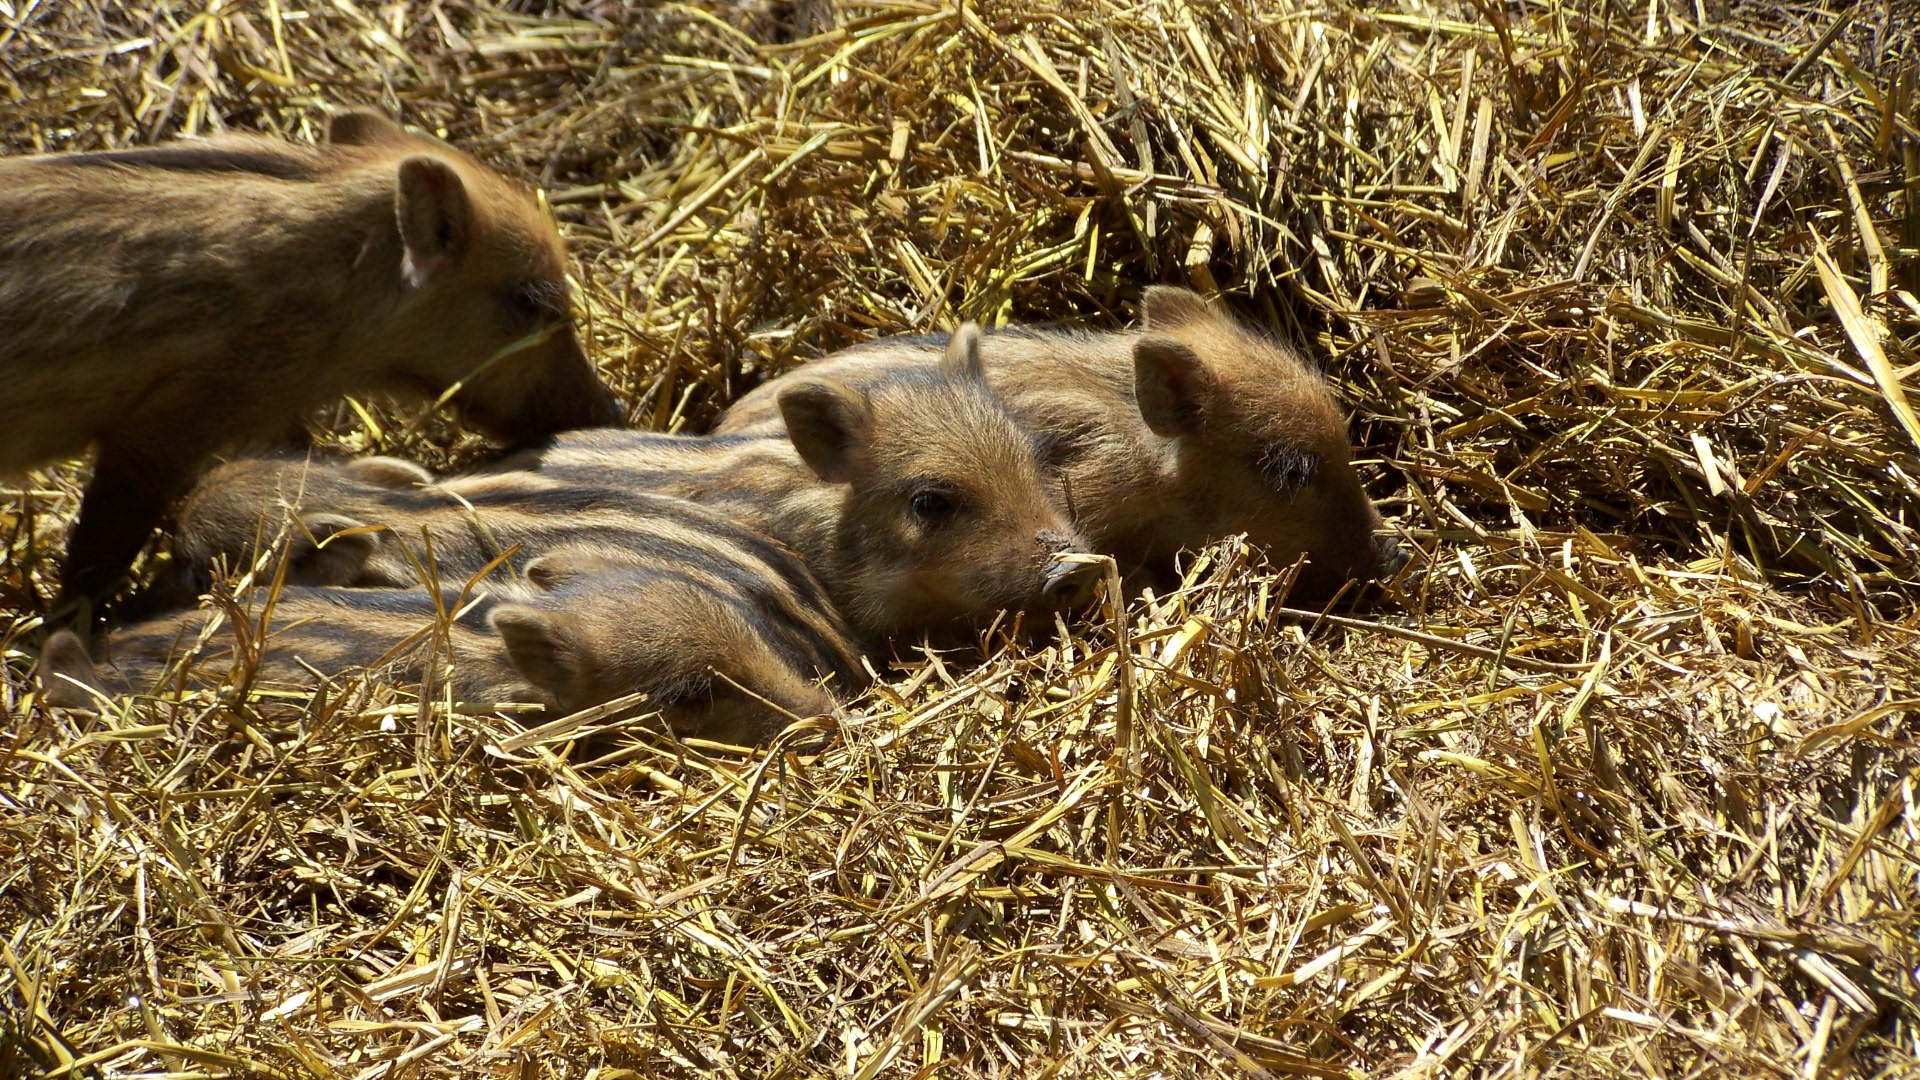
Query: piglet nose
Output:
(1072,577)
(1056,540)
(1389,555)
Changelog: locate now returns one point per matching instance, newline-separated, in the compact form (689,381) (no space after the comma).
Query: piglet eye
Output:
(533,302)
(1288,469)
(933,507)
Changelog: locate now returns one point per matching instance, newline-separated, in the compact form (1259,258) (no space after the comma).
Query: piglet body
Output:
(1186,430)
(162,303)
(586,626)
(917,502)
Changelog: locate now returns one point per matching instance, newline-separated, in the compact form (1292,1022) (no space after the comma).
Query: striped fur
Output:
(161,303)
(918,500)
(887,558)
(1187,430)
(378,522)
(587,625)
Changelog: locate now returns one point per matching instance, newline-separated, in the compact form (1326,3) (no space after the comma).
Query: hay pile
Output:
(1619,779)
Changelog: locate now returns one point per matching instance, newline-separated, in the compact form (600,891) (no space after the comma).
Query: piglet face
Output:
(948,514)
(1259,444)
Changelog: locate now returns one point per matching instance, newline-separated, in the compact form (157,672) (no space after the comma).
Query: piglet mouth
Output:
(1072,578)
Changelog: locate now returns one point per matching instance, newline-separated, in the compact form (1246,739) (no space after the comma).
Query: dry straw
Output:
(1617,780)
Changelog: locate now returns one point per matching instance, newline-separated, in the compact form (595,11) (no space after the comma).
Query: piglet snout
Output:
(1072,578)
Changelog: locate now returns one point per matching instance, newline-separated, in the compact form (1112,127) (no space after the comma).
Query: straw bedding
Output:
(1617,779)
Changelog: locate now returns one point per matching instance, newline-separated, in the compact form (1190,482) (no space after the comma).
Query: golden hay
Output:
(1619,778)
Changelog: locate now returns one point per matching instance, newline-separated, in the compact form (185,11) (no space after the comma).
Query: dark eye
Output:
(534,302)
(1287,469)
(933,507)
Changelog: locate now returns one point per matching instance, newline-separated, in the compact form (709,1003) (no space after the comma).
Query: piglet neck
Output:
(817,520)
(767,487)
(370,265)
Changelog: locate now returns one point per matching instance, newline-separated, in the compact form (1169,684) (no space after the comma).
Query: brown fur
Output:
(846,502)
(382,523)
(727,668)
(163,302)
(1187,430)
(918,501)
(588,626)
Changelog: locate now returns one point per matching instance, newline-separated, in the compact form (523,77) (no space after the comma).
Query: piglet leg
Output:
(125,501)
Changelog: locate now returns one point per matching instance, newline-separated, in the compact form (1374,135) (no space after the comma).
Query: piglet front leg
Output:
(134,480)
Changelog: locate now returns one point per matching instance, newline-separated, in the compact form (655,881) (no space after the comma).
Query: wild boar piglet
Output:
(163,302)
(385,523)
(721,663)
(917,499)
(587,626)
(1187,430)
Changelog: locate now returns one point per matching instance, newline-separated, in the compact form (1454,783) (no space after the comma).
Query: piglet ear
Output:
(554,569)
(1163,307)
(395,474)
(828,422)
(435,216)
(549,572)
(67,675)
(538,648)
(333,550)
(1172,385)
(963,353)
(363,127)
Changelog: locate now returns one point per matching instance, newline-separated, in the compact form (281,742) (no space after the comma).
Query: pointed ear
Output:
(554,569)
(1163,307)
(538,648)
(333,551)
(828,423)
(435,215)
(363,127)
(963,353)
(67,673)
(393,473)
(1172,385)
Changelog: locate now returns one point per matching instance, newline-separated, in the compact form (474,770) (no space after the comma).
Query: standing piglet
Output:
(160,303)
(1190,429)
